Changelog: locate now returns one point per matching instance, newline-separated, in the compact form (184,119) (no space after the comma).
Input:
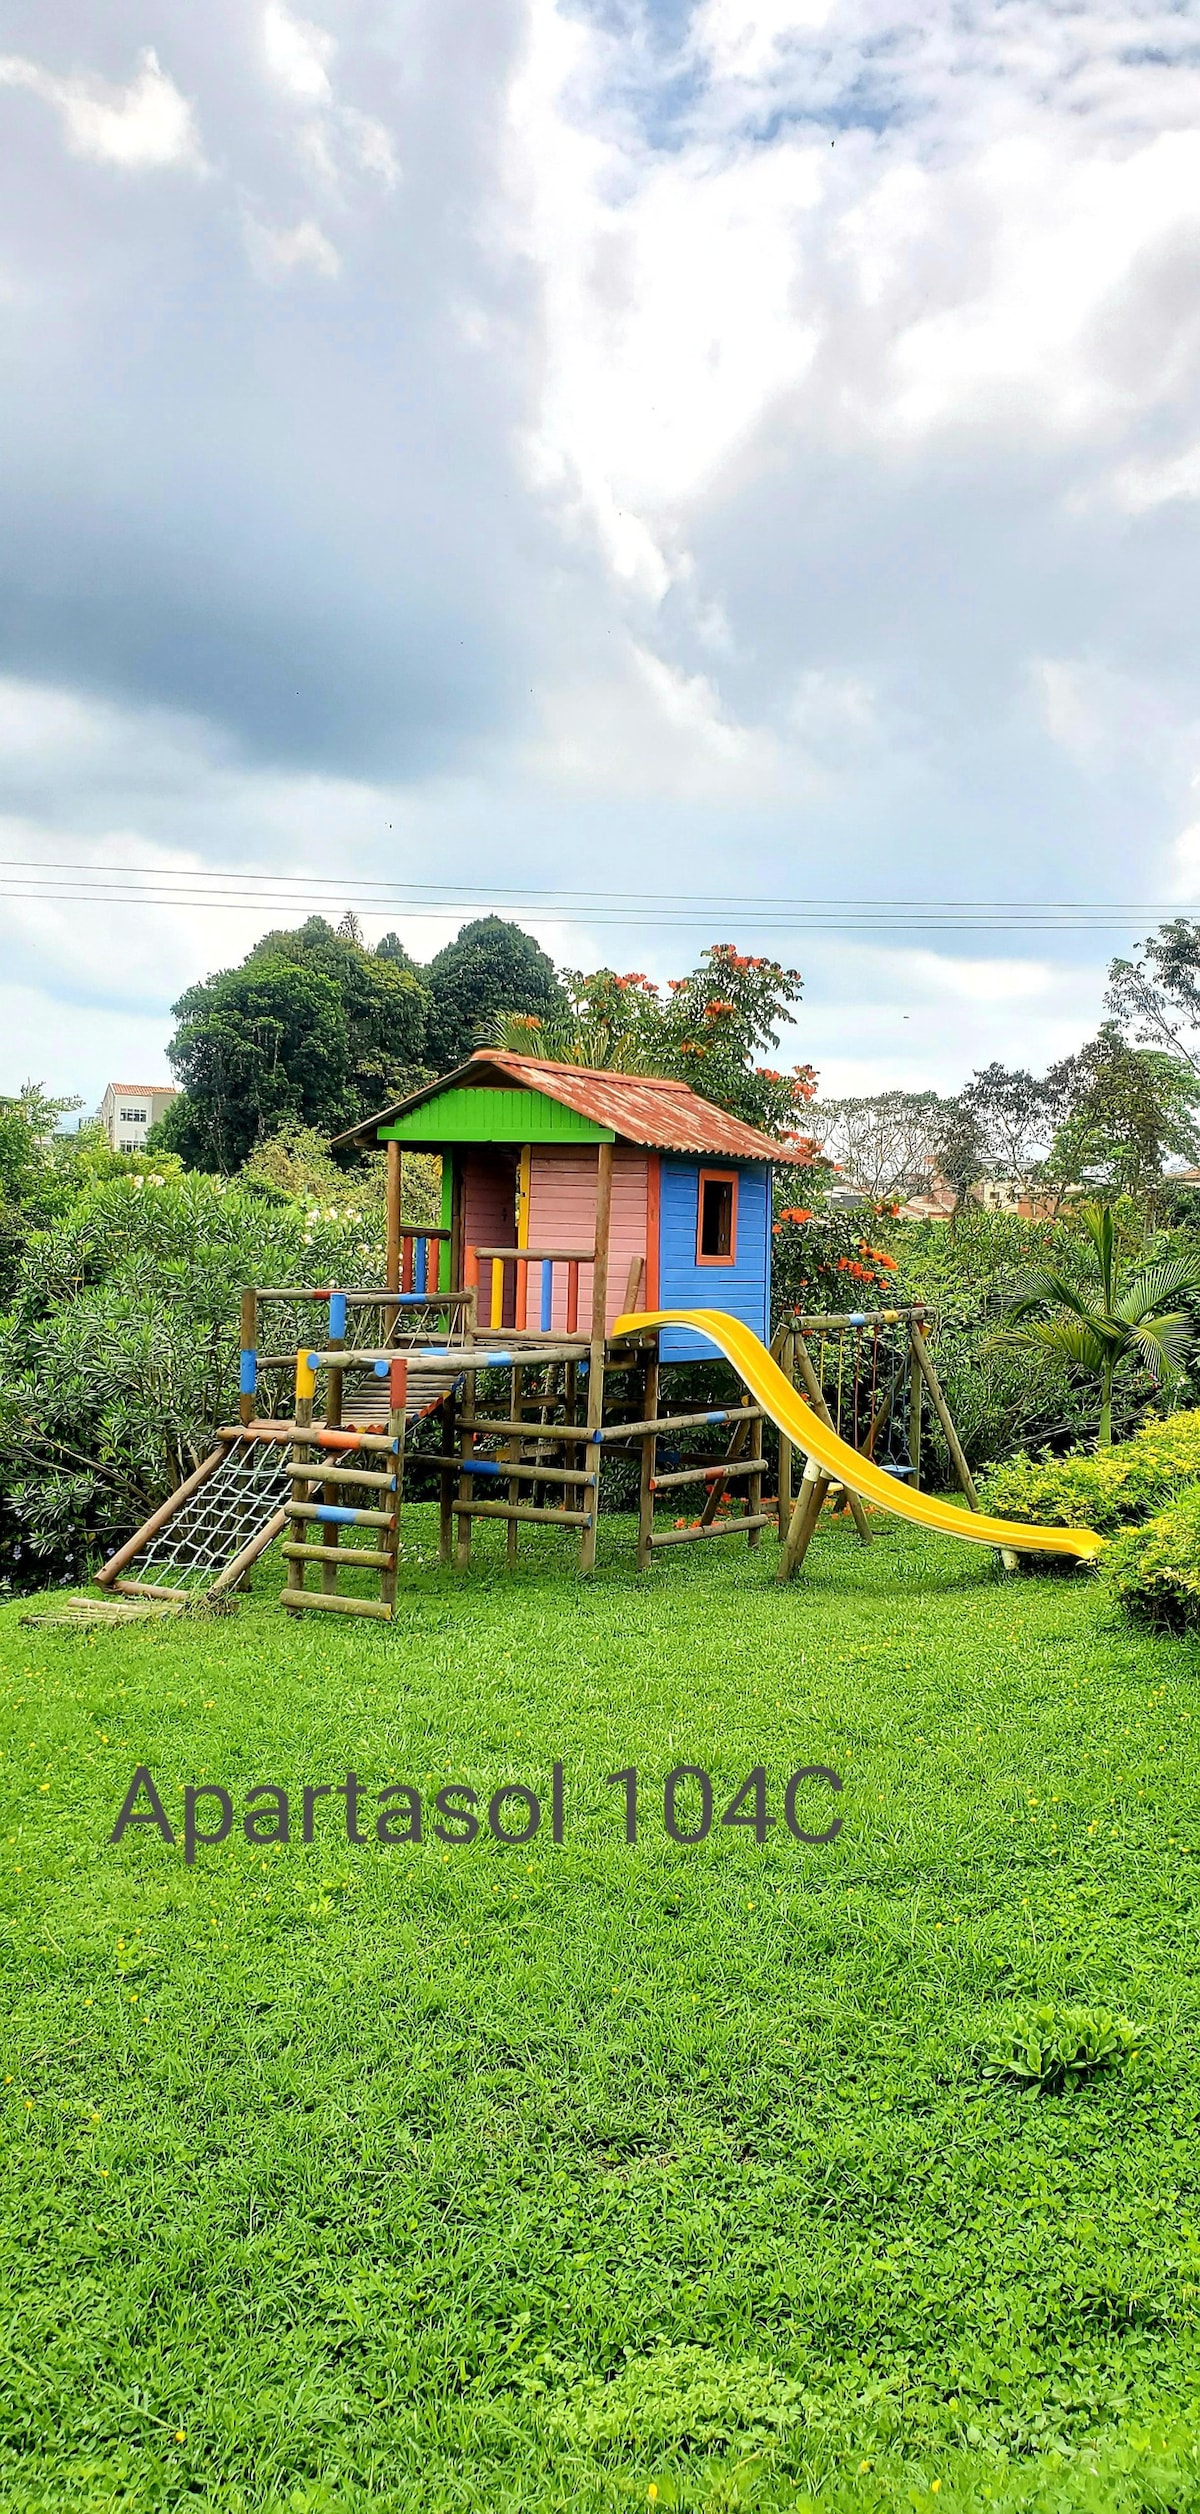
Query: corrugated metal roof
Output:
(640,1108)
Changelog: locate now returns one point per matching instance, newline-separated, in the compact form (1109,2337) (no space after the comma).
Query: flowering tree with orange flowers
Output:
(827,1261)
(711,1029)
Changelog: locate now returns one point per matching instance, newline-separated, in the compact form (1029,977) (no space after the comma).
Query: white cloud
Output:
(299,58)
(298,55)
(276,252)
(147,124)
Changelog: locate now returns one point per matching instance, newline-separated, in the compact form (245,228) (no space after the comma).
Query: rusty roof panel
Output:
(642,1108)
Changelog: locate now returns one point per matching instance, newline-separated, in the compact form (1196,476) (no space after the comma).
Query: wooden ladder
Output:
(316,1524)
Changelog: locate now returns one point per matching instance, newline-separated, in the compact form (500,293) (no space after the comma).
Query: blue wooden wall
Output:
(744,1289)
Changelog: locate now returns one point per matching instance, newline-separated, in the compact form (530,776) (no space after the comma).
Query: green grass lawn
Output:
(588,2175)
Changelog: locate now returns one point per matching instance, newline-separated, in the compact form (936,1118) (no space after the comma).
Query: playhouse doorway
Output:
(488,1192)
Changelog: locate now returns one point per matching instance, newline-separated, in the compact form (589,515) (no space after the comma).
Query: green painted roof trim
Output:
(464,1116)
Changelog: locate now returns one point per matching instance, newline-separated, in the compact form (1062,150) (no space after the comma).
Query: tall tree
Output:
(1121,1110)
(1155,997)
(491,968)
(384,1004)
(1013,1112)
(886,1143)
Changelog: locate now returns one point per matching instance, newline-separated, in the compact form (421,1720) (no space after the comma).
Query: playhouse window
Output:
(716,1228)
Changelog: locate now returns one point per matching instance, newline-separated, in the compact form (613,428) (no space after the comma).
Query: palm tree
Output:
(1111,1322)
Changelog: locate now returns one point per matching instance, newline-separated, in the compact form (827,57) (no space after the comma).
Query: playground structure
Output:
(598,1232)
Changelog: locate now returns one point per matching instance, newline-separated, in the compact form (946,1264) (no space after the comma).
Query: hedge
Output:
(1107,1490)
(1155,1569)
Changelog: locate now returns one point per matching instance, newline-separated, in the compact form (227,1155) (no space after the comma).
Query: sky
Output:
(688,460)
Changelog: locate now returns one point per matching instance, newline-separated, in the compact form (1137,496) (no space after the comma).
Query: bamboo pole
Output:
(595,1387)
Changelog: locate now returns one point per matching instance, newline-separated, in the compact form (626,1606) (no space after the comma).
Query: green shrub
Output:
(1111,1490)
(1155,1569)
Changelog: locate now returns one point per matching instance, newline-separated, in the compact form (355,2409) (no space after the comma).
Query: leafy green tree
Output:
(1156,995)
(384,1004)
(254,1046)
(1111,1321)
(490,968)
(118,1352)
(1013,1114)
(1121,1110)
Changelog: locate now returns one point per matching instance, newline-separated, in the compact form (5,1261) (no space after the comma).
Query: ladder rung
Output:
(345,1519)
(355,1557)
(716,1527)
(316,1598)
(521,1510)
(708,1474)
(318,1474)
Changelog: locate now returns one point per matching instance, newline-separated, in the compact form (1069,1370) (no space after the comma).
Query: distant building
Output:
(129,1110)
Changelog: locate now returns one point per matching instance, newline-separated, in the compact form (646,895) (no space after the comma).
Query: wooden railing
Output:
(485,1266)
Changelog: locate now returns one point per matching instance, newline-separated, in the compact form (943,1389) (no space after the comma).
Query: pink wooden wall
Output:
(562,1214)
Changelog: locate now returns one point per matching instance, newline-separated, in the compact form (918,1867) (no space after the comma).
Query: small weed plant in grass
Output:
(1053,2048)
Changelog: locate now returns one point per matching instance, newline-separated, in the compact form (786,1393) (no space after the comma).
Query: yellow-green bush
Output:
(1155,1569)
(1112,1489)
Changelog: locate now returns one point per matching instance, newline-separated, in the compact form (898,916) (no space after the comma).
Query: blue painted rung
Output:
(336,1518)
(480,1466)
(248,1371)
(547,1312)
(337,1316)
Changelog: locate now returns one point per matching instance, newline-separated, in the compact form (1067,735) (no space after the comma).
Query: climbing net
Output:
(232,1506)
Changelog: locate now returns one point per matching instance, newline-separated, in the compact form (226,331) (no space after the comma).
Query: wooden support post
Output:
(806,1511)
(462,1551)
(246,1399)
(916,1386)
(394,1185)
(941,1409)
(394,1189)
(514,1452)
(397,1415)
(604,1174)
(333,1423)
(717,1489)
(590,1494)
(595,1390)
(299,1531)
(649,1451)
(787,1364)
(446,1492)
(816,1398)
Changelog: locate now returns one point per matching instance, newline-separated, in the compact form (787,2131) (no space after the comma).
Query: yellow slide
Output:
(835,1457)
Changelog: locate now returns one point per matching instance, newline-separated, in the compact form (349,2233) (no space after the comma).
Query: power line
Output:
(219,890)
